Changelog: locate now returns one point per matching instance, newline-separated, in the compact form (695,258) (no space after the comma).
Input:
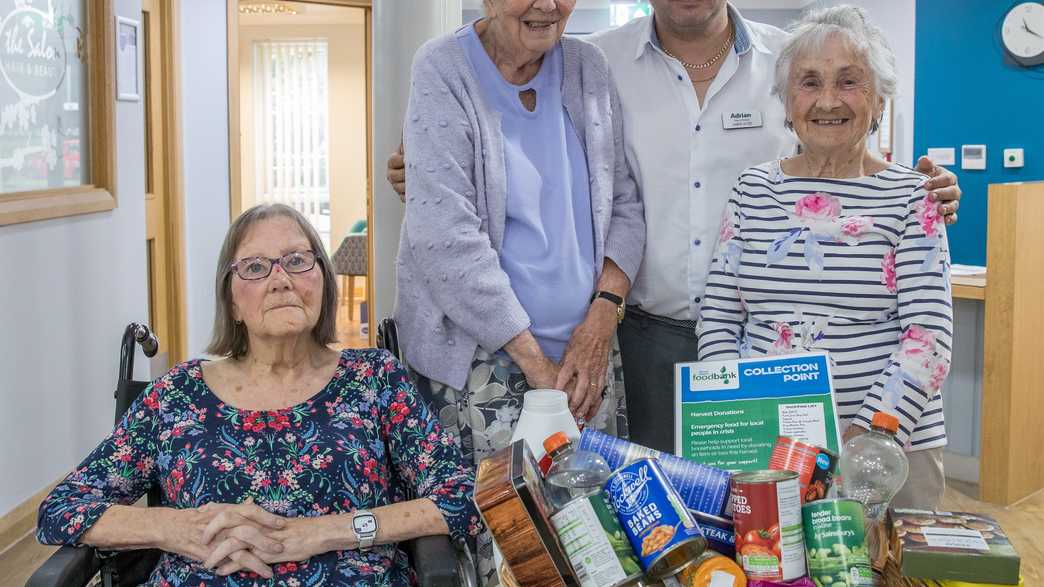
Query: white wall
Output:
(399,28)
(204,111)
(70,286)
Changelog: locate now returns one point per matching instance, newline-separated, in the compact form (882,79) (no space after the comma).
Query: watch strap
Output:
(608,295)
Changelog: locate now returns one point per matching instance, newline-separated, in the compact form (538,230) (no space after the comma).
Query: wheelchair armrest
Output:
(70,566)
(434,559)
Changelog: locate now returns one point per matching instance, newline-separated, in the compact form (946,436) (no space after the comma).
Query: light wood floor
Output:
(1024,523)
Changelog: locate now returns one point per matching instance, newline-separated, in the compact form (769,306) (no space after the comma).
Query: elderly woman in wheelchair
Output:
(284,462)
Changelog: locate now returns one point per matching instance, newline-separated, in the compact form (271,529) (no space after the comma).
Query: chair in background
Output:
(349,262)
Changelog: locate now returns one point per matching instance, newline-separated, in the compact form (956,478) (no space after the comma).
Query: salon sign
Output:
(32,49)
(729,413)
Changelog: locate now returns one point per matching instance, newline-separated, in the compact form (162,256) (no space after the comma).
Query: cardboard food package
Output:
(948,547)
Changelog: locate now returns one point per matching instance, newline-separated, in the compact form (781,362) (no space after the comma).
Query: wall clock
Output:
(1023,33)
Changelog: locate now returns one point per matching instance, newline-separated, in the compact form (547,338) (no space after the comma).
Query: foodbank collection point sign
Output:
(729,413)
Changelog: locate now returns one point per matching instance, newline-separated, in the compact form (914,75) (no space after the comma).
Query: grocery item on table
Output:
(701,488)
(814,465)
(955,546)
(544,412)
(799,582)
(766,509)
(712,570)
(906,582)
(873,469)
(835,543)
(663,534)
(587,527)
(720,533)
(509,494)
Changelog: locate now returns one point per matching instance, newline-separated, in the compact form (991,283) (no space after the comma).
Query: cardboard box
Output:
(953,546)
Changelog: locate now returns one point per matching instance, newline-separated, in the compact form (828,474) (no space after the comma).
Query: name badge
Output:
(731,120)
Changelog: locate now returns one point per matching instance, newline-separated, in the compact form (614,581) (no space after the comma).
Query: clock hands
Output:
(1030,31)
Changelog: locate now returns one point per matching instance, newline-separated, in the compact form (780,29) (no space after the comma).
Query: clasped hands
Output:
(229,538)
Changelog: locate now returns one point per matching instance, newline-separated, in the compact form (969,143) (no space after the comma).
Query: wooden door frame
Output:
(235,154)
(173,179)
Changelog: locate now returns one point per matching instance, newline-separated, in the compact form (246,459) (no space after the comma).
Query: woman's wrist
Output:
(334,532)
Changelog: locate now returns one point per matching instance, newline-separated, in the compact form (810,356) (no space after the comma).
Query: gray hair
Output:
(867,40)
(230,337)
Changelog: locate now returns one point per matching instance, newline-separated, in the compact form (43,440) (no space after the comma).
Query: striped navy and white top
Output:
(857,267)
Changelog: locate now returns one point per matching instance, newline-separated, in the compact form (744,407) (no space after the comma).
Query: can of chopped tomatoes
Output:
(766,511)
(664,535)
(814,465)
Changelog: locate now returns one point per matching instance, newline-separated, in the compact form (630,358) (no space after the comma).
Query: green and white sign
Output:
(729,413)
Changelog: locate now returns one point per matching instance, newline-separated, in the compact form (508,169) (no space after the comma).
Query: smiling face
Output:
(831,98)
(281,305)
(529,26)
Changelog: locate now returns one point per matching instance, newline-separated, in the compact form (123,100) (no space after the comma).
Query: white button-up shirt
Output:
(686,158)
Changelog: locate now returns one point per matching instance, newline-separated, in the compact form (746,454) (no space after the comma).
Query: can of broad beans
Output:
(835,543)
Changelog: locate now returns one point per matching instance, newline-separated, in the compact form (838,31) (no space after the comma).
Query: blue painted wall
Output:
(966,93)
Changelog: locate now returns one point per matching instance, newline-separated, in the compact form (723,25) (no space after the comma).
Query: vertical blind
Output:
(290,121)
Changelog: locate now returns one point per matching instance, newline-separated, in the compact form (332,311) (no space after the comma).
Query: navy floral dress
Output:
(365,440)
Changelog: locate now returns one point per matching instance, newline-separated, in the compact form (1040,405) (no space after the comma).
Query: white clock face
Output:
(1023,31)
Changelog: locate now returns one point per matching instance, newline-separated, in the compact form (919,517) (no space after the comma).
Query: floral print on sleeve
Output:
(365,440)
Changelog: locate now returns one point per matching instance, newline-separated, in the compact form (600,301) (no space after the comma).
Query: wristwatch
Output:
(621,309)
(364,523)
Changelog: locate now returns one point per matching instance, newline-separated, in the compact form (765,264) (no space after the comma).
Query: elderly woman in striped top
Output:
(837,250)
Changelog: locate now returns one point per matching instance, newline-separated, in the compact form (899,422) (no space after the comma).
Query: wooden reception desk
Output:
(1011,463)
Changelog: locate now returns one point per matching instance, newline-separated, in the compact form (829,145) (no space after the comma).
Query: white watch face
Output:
(1023,30)
(365,524)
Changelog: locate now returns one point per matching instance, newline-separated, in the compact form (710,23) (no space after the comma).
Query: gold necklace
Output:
(705,65)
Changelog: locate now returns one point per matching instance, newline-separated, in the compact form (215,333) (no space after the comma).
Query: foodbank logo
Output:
(725,376)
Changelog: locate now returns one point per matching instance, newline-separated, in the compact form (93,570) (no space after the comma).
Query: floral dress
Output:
(856,267)
(365,440)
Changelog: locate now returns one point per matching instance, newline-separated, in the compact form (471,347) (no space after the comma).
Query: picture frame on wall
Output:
(128,73)
(57,147)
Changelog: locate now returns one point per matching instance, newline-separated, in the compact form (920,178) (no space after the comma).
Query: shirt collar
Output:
(746,38)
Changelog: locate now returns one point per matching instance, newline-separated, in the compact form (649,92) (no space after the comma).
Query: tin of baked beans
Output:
(814,465)
(662,532)
(766,511)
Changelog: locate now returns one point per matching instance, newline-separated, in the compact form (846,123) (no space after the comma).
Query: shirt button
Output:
(697,300)
(698,128)
(696,242)
(679,78)
(696,184)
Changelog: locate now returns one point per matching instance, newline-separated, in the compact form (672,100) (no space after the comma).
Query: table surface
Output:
(969,287)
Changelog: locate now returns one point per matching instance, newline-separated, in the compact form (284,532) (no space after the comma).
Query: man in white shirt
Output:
(694,82)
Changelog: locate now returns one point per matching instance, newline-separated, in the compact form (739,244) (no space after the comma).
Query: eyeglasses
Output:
(254,268)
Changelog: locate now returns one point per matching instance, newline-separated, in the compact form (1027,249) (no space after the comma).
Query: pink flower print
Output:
(888,271)
(816,207)
(917,343)
(726,232)
(927,213)
(856,225)
(938,376)
(784,338)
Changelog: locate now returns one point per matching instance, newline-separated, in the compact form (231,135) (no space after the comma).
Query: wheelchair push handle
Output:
(135,334)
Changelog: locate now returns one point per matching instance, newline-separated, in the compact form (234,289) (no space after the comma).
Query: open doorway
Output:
(299,96)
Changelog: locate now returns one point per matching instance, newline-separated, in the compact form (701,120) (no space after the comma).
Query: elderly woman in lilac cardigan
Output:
(523,227)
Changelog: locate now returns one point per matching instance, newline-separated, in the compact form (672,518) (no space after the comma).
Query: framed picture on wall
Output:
(57,146)
(128,78)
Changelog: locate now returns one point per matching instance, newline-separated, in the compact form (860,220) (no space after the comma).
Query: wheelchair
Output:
(435,559)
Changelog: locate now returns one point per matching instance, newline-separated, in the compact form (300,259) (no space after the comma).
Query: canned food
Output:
(712,570)
(766,509)
(663,534)
(594,542)
(835,542)
(700,487)
(719,532)
(814,465)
